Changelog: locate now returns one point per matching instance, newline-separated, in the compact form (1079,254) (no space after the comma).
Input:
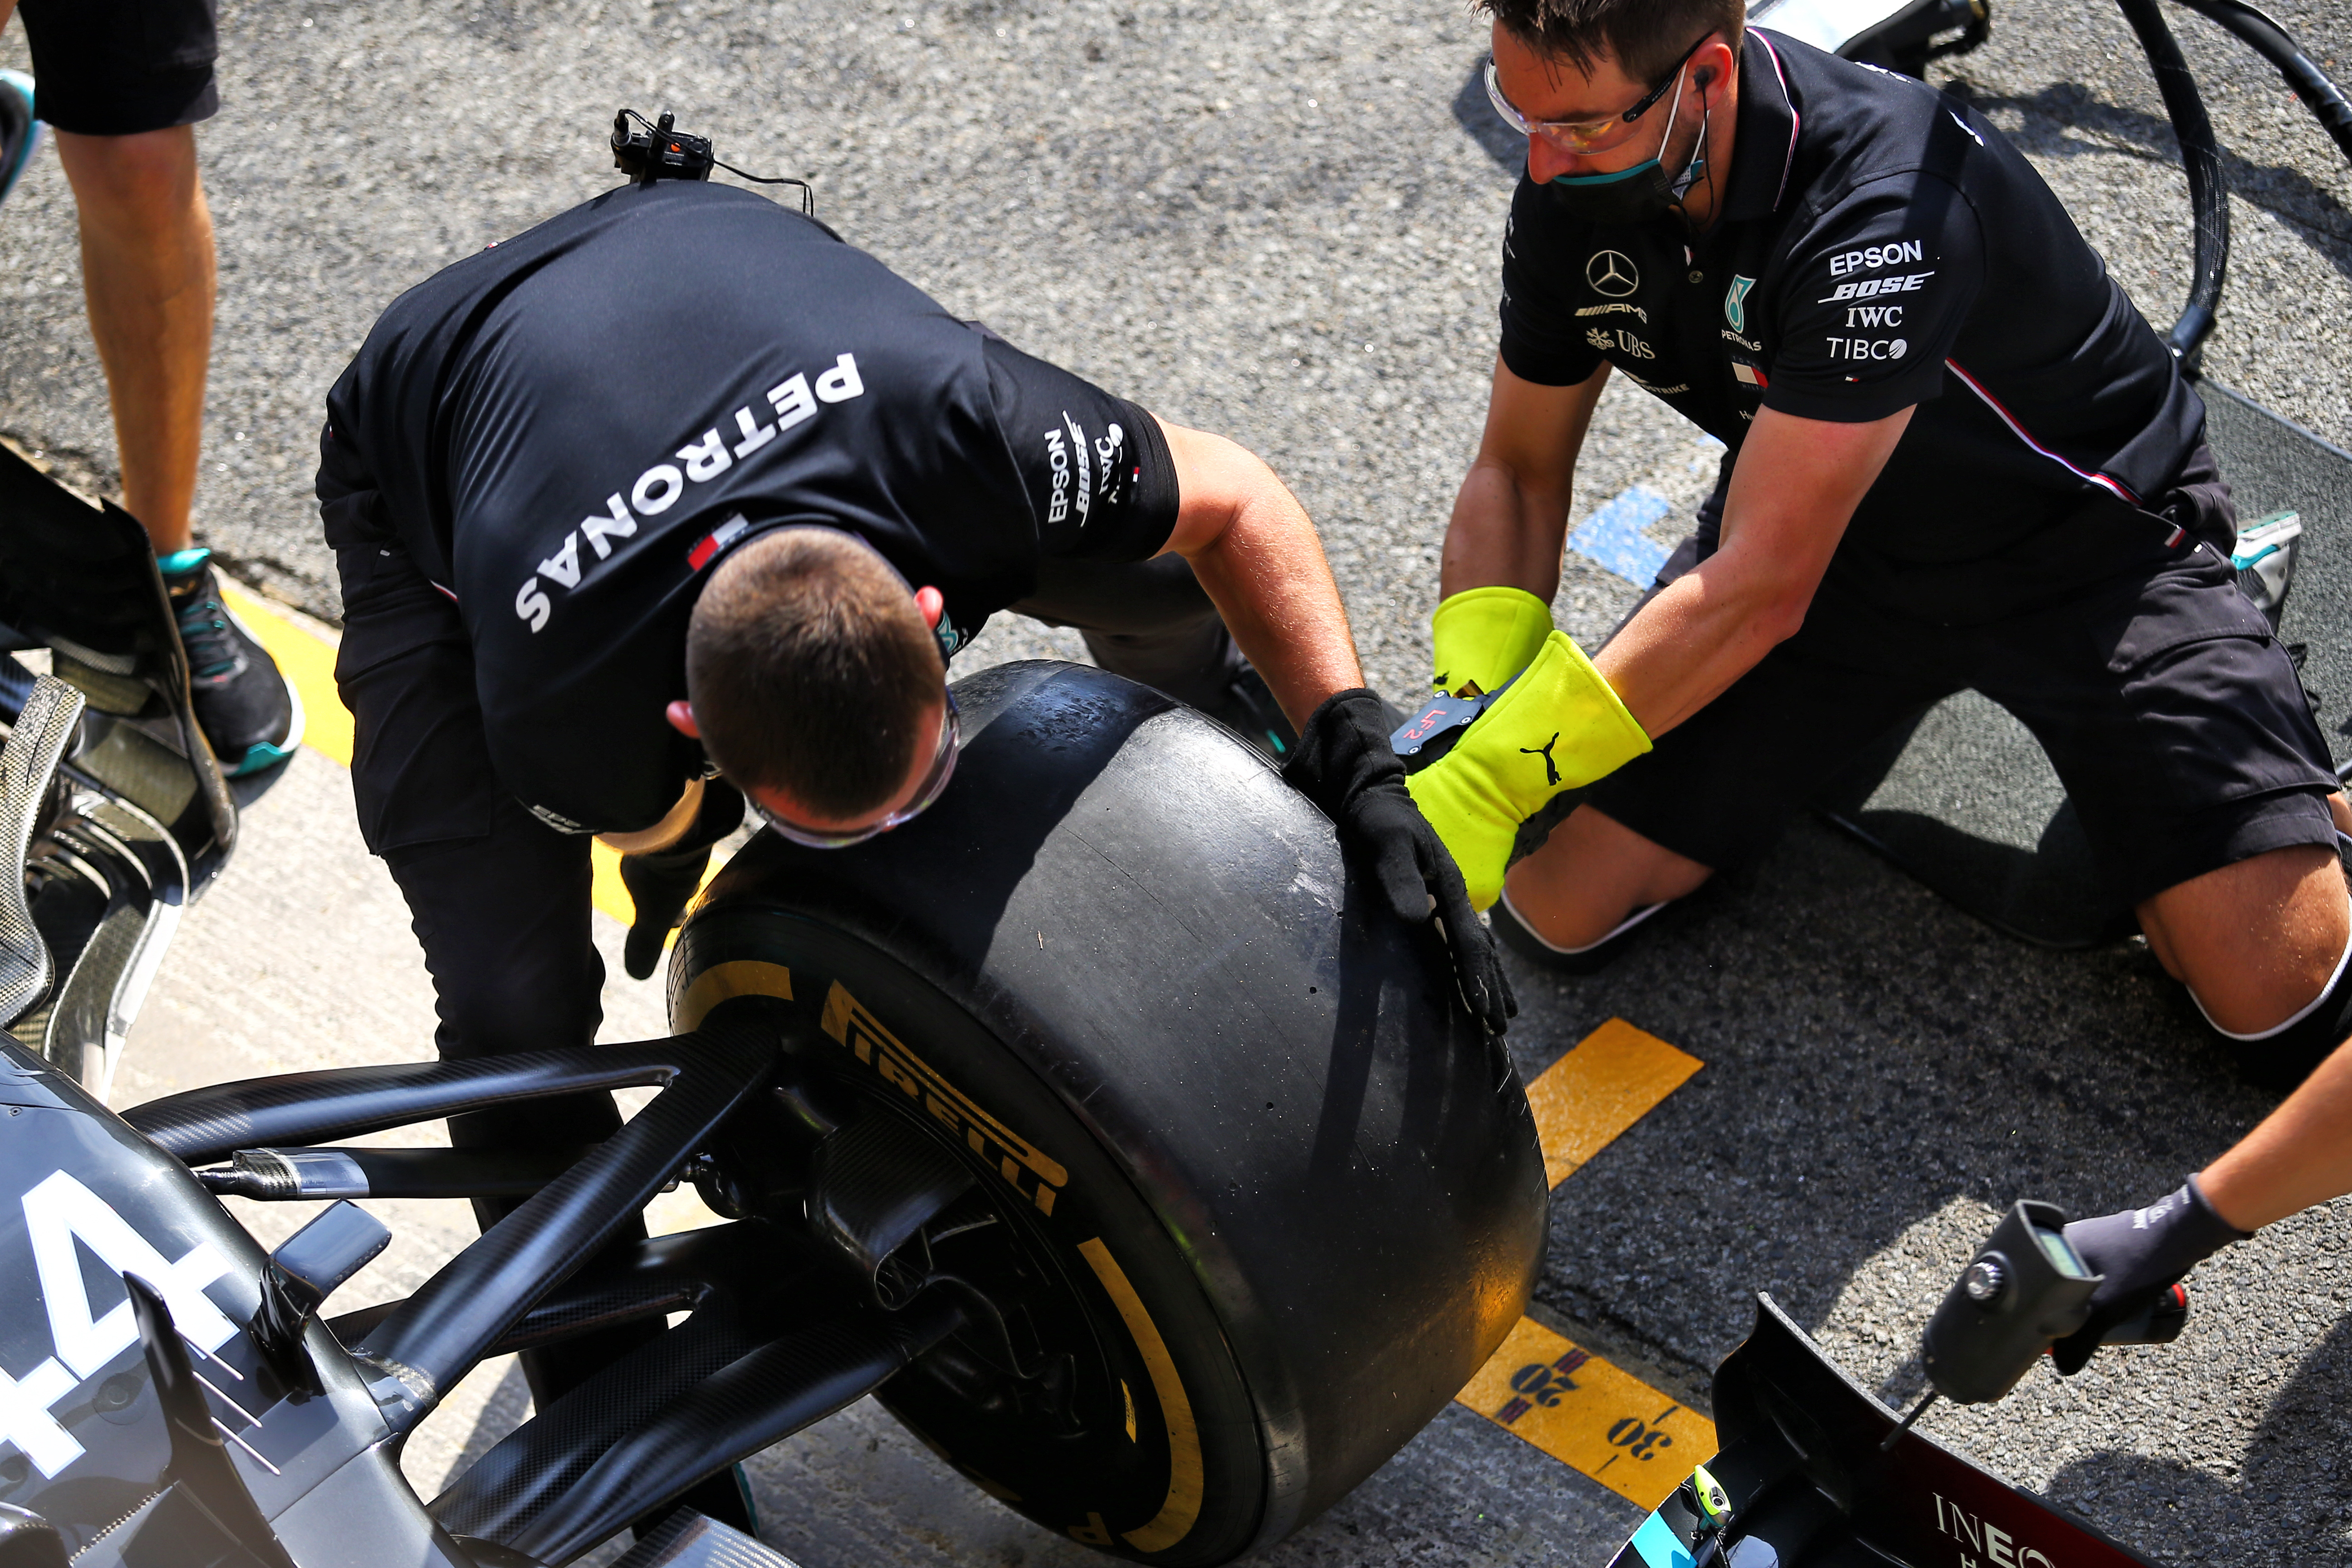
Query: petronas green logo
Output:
(1735,303)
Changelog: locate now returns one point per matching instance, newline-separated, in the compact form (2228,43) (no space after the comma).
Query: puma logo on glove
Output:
(1551,769)
(1559,709)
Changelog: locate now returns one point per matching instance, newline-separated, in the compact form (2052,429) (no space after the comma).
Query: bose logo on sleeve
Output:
(1902,283)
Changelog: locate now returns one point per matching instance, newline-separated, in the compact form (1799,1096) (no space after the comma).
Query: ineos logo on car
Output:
(1612,272)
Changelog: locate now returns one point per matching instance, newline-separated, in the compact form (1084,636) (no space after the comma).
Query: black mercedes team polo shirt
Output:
(1880,245)
(567,432)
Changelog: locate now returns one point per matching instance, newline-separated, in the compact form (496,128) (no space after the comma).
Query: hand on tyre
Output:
(661,884)
(2142,1252)
(1344,765)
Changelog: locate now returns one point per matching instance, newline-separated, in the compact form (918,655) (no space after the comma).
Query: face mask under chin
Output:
(1633,196)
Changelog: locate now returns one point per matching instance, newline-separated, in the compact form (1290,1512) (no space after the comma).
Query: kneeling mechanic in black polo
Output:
(1958,458)
(678,496)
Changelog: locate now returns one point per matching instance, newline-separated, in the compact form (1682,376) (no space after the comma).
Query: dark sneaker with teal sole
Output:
(20,133)
(248,710)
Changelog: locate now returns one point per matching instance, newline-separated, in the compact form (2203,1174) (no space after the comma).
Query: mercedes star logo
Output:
(1613,273)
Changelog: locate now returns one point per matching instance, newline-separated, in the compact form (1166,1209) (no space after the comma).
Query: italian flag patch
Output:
(1751,376)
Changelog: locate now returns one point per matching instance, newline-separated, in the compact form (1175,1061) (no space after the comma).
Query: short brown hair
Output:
(810,671)
(1644,37)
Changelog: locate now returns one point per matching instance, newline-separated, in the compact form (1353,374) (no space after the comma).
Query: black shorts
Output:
(116,68)
(2169,712)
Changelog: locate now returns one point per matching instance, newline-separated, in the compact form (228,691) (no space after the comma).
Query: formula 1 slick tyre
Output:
(1260,1194)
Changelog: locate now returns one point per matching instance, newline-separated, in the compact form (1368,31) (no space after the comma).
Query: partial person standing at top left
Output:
(123,83)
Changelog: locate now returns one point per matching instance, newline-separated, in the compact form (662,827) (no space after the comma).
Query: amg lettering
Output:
(1617,308)
(847,1021)
(1870,258)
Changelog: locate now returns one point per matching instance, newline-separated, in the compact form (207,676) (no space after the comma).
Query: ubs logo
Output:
(1613,273)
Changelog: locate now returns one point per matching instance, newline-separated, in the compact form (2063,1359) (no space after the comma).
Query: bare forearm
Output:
(1266,574)
(1687,646)
(1505,533)
(2300,1155)
(1250,544)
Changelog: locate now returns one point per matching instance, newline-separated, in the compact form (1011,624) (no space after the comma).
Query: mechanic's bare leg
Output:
(2258,940)
(147,273)
(1590,874)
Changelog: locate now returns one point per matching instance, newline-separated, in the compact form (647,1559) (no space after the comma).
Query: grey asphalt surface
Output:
(1281,221)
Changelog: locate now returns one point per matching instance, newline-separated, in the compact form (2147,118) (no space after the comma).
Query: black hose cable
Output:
(2326,100)
(2209,186)
(808,192)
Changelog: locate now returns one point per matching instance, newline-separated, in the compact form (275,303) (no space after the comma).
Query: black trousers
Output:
(499,901)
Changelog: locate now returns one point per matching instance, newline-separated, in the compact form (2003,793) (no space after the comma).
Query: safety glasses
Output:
(1583,136)
(935,783)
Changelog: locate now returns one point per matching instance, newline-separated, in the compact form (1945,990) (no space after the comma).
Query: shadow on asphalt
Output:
(2287,1495)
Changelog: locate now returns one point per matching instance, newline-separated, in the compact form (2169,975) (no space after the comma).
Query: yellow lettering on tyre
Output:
(1030,1172)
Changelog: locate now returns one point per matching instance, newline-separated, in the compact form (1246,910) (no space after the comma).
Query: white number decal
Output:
(57,1212)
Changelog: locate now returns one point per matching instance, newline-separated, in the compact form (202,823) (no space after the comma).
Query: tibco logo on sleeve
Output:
(793,401)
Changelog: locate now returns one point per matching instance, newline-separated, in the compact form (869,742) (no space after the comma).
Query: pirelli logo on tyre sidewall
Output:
(1031,1173)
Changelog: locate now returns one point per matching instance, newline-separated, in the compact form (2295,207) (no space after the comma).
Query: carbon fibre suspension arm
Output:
(431,1339)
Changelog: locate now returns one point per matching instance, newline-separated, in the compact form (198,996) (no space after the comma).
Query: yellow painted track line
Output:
(1589,1415)
(1610,1079)
(309,661)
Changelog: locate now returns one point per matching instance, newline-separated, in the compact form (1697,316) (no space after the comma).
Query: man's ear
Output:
(932,604)
(681,718)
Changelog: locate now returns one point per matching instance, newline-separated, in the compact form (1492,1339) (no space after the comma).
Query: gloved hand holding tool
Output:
(664,881)
(1483,638)
(2039,1286)
(1344,765)
(1558,725)
(2143,1253)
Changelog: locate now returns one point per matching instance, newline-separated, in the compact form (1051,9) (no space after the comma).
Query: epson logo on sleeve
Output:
(1901,283)
(1058,459)
(1870,258)
(1066,456)
(709,455)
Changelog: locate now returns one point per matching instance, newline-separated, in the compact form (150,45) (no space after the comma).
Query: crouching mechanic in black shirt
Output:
(1958,458)
(678,496)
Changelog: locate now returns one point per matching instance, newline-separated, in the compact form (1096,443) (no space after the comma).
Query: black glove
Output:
(2142,1252)
(1343,763)
(663,883)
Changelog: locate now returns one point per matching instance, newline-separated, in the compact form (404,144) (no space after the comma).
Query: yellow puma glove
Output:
(1487,635)
(1559,727)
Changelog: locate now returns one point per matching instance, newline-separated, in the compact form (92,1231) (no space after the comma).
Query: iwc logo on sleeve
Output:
(1613,273)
